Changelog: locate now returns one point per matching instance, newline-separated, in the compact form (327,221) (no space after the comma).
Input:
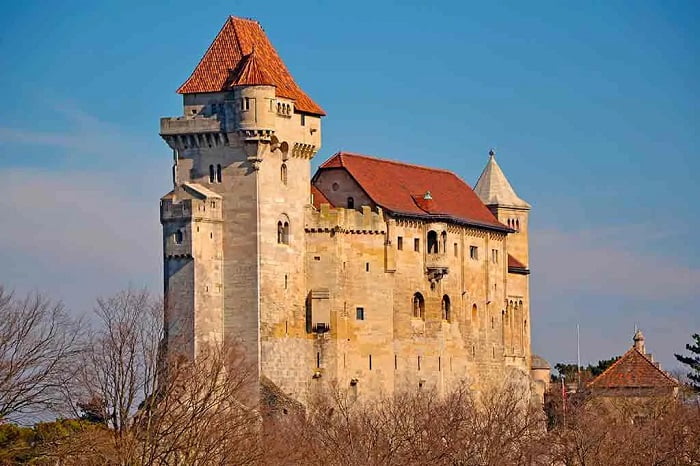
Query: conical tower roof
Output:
(493,187)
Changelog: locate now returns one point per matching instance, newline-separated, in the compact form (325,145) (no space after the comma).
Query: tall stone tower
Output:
(498,195)
(233,226)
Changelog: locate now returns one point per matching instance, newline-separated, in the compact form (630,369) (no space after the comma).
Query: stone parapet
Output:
(329,218)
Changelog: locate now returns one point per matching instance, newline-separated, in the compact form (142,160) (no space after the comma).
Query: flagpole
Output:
(578,357)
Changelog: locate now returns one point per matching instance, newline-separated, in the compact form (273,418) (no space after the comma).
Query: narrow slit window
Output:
(360,313)
(212,176)
(218,173)
(416,244)
(351,202)
(399,243)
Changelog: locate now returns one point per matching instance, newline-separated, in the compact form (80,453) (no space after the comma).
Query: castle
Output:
(373,274)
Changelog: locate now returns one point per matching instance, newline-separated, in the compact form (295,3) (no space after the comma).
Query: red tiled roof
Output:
(234,44)
(515,263)
(400,188)
(250,73)
(318,197)
(633,370)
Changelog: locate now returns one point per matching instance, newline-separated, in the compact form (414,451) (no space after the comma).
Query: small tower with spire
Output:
(495,191)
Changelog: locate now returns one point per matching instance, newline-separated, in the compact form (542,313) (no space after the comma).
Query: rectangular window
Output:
(416,244)
(399,243)
(474,252)
(456,250)
(360,313)
(303,120)
(494,256)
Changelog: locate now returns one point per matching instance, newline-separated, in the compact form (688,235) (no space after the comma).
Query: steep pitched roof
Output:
(240,42)
(401,188)
(318,197)
(493,187)
(633,370)
(515,266)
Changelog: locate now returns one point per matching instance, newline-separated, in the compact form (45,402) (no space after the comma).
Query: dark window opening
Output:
(418,306)
(283,173)
(474,252)
(318,360)
(370,362)
(218,173)
(303,120)
(360,313)
(456,250)
(432,242)
(418,362)
(280,232)
(446,308)
(178,237)
(366,266)
(443,242)
(211,174)
(399,243)
(351,203)
(416,245)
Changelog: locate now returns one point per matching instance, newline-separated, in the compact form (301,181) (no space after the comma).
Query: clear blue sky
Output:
(591,106)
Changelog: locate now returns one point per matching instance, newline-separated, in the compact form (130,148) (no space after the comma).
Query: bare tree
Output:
(38,343)
(119,366)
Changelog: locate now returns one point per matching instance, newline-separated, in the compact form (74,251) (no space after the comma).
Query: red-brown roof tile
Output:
(237,40)
(633,370)
(515,263)
(400,188)
(318,197)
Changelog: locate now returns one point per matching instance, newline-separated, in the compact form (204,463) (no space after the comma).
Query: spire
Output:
(493,187)
(639,341)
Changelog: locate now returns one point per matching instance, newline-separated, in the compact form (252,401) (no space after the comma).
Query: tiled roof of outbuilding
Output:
(401,188)
(239,42)
(318,197)
(633,370)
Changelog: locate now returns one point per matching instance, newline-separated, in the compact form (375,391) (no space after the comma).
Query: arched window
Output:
(351,202)
(443,242)
(418,306)
(475,316)
(432,242)
(218,173)
(211,174)
(285,233)
(517,224)
(446,310)
(280,232)
(283,173)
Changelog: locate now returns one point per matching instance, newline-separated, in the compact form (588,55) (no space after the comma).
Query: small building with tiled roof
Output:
(375,275)
(634,374)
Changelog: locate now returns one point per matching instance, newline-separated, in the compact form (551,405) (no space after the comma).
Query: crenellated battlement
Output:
(338,219)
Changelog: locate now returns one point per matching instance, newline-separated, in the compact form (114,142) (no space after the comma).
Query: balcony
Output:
(436,267)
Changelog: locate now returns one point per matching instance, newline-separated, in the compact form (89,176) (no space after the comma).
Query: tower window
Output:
(494,256)
(446,308)
(517,224)
(283,173)
(283,231)
(360,313)
(303,119)
(456,250)
(366,266)
(418,306)
(416,244)
(474,252)
(399,243)
(443,242)
(218,173)
(178,237)
(212,175)
(351,202)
